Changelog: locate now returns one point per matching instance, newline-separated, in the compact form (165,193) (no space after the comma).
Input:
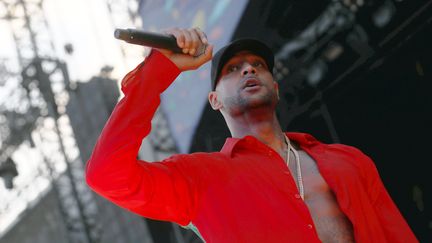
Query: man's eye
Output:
(258,64)
(232,68)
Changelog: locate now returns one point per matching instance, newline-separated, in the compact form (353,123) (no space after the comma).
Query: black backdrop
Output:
(382,104)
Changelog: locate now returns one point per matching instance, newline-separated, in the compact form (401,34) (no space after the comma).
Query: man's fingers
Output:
(205,57)
(208,54)
(177,34)
(190,41)
(195,41)
(187,41)
(202,35)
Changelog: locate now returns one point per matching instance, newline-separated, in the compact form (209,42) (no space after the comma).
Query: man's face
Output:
(245,83)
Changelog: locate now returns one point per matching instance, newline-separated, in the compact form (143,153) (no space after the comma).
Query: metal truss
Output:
(297,73)
(44,91)
(76,202)
(303,62)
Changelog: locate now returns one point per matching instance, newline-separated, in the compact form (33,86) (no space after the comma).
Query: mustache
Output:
(250,80)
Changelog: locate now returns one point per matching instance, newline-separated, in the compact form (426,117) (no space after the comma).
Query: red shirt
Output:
(245,192)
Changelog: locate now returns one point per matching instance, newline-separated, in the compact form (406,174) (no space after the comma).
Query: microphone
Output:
(152,39)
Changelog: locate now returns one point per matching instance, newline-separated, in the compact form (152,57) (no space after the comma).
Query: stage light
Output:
(353,5)
(333,51)
(383,14)
(316,72)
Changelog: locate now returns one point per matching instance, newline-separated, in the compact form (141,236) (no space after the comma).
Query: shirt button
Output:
(297,196)
(310,226)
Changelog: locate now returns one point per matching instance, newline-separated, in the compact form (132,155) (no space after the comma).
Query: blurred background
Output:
(357,72)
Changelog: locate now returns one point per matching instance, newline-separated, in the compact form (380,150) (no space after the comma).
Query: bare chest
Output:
(330,222)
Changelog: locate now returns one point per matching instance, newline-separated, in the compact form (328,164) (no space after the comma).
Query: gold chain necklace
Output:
(297,158)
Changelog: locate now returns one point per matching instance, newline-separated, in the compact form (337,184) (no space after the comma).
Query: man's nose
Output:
(248,69)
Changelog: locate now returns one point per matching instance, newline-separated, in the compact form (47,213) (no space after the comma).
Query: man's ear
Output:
(214,101)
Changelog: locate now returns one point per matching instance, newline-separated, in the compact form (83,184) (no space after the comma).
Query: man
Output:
(264,185)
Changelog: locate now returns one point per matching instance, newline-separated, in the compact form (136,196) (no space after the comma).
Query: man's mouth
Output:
(251,82)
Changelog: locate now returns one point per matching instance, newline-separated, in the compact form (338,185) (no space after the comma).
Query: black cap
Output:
(227,52)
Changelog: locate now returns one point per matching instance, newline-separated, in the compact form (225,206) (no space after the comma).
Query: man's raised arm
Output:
(113,170)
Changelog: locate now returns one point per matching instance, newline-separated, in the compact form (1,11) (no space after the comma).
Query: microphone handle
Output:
(150,39)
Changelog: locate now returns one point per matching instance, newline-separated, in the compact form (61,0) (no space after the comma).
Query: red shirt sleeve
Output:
(156,190)
(395,227)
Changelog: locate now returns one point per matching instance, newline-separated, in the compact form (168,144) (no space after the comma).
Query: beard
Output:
(240,103)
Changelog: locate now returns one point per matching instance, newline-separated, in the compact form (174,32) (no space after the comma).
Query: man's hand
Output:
(190,41)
